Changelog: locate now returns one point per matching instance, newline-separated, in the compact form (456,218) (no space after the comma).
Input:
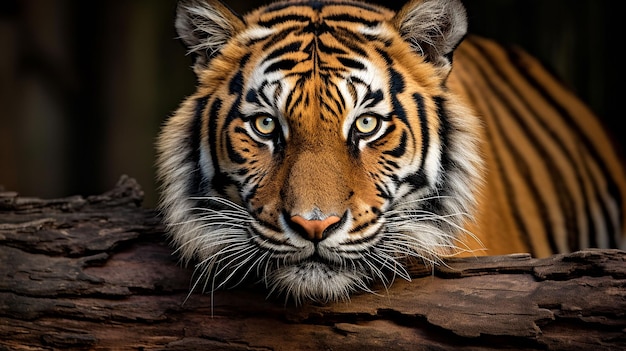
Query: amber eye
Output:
(366,124)
(264,125)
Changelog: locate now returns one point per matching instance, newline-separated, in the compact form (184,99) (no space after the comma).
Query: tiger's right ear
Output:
(205,26)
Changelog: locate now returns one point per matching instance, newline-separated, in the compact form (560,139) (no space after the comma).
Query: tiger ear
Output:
(434,28)
(205,26)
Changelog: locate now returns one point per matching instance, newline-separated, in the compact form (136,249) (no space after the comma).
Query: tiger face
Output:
(321,149)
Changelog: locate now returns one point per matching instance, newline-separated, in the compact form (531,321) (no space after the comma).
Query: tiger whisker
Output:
(406,202)
(392,265)
(209,242)
(220,200)
(411,219)
(235,268)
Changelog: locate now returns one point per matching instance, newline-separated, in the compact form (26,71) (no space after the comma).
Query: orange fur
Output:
(483,155)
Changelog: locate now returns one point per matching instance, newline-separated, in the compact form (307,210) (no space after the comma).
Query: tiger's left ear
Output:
(434,28)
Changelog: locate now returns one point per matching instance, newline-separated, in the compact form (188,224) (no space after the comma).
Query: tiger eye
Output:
(366,124)
(264,125)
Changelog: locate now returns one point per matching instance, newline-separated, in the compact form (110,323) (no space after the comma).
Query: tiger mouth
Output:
(329,251)
(331,260)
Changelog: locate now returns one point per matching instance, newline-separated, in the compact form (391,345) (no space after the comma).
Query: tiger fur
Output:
(330,142)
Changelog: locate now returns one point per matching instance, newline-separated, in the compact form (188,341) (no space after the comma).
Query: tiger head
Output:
(322,148)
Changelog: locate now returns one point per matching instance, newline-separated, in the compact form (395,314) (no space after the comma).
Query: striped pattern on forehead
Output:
(306,49)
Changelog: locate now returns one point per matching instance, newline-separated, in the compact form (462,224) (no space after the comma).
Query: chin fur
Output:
(315,281)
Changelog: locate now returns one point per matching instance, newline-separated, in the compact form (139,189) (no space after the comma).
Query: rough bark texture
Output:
(97,273)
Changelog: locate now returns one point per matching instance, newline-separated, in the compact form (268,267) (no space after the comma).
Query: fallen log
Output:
(97,273)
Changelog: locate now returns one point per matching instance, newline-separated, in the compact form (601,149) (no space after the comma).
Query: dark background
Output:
(85,85)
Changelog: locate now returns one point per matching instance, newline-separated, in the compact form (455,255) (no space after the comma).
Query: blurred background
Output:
(85,85)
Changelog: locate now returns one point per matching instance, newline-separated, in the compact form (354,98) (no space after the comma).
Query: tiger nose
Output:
(314,229)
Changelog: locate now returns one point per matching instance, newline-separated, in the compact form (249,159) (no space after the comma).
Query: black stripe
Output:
(396,87)
(260,93)
(444,131)
(285,65)
(344,17)
(592,233)
(611,232)
(396,82)
(421,113)
(277,38)
(382,192)
(392,164)
(235,86)
(232,152)
(316,28)
(341,104)
(351,63)
(400,149)
(294,99)
(350,40)
(417,180)
(251,96)
(385,56)
(330,50)
(288,104)
(236,83)
(389,130)
(219,180)
(337,107)
(357,4)
(435,203)
(318,5)
(284,18)
(374,97)
(292,47)
(195,187)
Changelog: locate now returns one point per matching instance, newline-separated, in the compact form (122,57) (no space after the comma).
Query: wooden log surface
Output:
(97,273)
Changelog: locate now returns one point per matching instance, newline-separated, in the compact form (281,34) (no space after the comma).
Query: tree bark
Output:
(97,273)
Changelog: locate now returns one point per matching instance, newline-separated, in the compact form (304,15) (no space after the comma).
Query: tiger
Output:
(329,144)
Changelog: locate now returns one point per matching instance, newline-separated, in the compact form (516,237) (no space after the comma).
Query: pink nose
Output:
(315,228)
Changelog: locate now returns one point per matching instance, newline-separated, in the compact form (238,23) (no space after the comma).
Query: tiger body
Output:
(328,142)
(554,183)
